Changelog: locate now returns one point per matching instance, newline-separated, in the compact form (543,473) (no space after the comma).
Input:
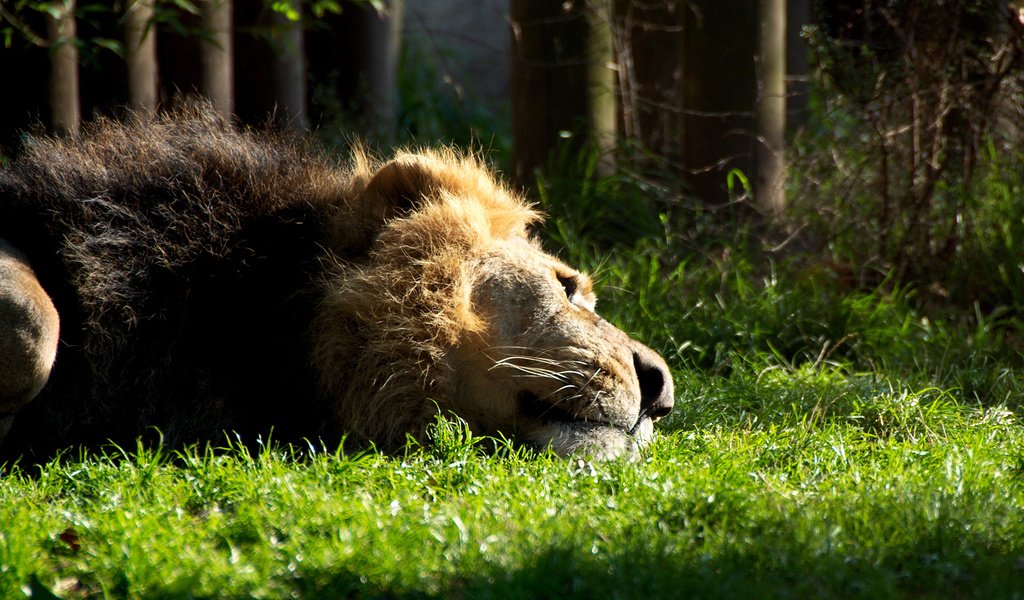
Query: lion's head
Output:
(439,298)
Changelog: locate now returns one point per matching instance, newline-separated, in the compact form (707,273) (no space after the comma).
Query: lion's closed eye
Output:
(578,289)
(570,283)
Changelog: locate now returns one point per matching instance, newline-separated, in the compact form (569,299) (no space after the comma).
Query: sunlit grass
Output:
(842,486)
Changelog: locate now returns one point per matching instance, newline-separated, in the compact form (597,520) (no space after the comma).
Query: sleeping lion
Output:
(186,277)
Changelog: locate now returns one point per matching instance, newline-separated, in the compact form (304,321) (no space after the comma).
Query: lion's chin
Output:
(544,425)
(597,441)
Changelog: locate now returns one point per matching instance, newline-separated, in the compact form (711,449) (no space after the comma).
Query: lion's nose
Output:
(655,383)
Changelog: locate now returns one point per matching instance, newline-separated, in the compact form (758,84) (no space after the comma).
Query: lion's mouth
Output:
(532,407)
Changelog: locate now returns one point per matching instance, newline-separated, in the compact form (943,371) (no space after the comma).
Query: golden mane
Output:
(394,315)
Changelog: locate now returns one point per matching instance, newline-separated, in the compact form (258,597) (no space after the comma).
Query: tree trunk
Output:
(798,14)
(771,108)
(179,56)
(271,81)
(64,100)
(562,80)
(601,126)
(718,93)
(380,67)
(648,44)
(218,55)
(140,54)
(354,57)
(289,71)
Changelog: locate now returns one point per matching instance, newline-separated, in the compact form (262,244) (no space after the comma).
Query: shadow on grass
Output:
(639,571)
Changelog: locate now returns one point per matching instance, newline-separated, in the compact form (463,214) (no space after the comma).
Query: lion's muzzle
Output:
(656,399)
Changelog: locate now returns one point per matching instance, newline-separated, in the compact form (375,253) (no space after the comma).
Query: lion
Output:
(184,276)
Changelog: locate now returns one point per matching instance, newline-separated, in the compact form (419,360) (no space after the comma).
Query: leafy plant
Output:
(911,107)
(20,25)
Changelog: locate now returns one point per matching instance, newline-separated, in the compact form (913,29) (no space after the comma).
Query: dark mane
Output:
(162,245)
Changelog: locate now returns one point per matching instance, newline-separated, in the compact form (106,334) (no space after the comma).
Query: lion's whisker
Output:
(564,387)
(564,375)
(535,372)
(590,380)
(536,353)
(542,360)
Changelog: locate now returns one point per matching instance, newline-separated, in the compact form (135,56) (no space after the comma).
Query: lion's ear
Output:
(402,184)
(391,190)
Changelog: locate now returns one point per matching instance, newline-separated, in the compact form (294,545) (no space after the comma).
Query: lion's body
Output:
(211,280)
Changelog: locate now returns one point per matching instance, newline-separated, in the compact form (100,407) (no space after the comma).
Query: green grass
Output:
(827,442)
(785,484)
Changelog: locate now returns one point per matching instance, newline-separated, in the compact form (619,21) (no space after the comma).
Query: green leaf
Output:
(287,9)
(323,7)
(734,176)
(187,6)
(114,46)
